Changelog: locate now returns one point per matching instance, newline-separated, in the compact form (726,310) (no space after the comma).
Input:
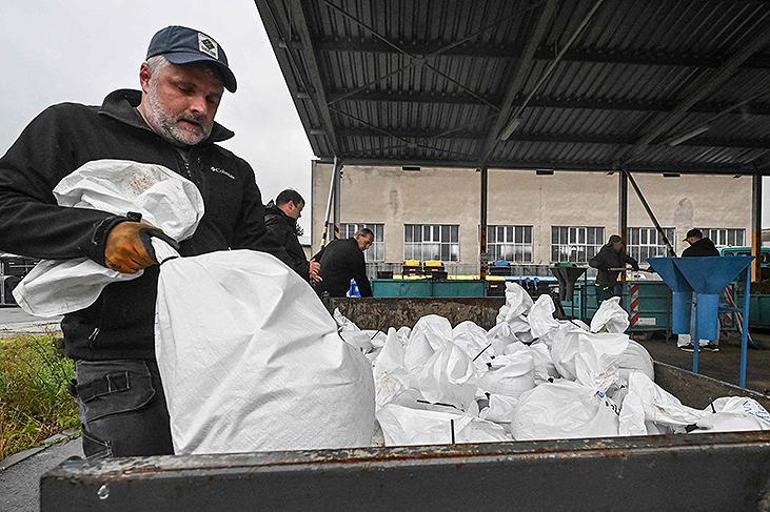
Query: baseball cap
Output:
(697,233)
(615,239)
(183,45)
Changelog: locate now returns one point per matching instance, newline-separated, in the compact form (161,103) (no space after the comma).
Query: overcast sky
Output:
(80,50)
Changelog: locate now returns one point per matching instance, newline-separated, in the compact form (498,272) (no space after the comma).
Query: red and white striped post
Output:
(634,291)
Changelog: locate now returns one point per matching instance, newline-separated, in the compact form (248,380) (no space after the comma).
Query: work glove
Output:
(313,269)
(128,249)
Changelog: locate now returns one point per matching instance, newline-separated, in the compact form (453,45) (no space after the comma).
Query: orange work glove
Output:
(126,249)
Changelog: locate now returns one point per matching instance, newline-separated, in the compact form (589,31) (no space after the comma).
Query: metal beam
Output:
(430,98)
(650,213)
(756,227)
(544,52)
(566,138)
(483,254)
(314,73)
(575,166)
(713,80)
(623,213)
(519,76)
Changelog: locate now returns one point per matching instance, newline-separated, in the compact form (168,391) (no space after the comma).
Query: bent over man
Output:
(169,122)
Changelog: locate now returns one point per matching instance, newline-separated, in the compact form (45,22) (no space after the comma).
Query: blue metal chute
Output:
(681,293)
(708,276)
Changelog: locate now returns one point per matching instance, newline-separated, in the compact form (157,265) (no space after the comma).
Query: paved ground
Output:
(722,365)
(20,483)
(15,320)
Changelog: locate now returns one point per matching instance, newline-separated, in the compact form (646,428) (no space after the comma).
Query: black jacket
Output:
(283,229)
(119,325)
(342,261)
(608,258)
(703,247)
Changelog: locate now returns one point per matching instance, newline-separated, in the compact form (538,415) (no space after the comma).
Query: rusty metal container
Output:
(724,471)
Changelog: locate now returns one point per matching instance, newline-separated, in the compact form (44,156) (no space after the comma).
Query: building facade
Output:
(433,213)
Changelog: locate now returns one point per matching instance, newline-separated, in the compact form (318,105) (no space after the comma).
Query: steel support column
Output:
(756,227)
(337,198)
(483,255)
(623,211)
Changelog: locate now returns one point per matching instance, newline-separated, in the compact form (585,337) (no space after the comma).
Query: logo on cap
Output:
(208,46)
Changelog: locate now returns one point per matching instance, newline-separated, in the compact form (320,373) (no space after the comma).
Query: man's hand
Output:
(124,250)
(313,269)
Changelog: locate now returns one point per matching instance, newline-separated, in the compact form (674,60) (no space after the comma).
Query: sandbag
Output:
(403,426)
(562,410)
(733,414)
(610,317)
(592,359)
(163,198)
(510,375)
(541,320)
(449,377)
(517,303)
(636,357)
(250,360)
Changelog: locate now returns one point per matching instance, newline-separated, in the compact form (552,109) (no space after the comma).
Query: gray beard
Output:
(164,124)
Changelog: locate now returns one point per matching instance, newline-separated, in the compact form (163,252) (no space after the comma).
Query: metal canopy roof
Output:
(657,85)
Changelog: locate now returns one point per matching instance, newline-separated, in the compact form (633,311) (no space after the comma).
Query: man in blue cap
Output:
(169,122)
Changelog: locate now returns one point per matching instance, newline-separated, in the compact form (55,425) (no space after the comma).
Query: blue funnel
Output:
(681,293)
(708,275)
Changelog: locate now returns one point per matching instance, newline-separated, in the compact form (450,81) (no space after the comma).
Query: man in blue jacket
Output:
(169,122)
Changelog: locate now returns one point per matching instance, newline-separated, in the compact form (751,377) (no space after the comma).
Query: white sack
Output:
(734,414)
(449,377)
(164,198)
(610,317)
(500,336)
(636,357)
(517,303)
(645,401)
(390,376)
(563,410)
(510,375)
(430,333)
(500,408)
(591,359)
(541,320)
(403,426)
(250,360)
(352,334)
(475,342)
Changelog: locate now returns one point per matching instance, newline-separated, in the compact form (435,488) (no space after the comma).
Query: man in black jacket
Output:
(611,256)
(281,218)
(699,246)
(171,123)
(343,260)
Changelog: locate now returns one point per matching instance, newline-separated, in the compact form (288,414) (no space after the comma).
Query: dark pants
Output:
(607,291)
(122,408)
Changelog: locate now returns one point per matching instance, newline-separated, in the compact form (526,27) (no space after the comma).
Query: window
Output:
(377,251)
(646,243)
(725,237)
(575,244)
(431,242)
(511,243)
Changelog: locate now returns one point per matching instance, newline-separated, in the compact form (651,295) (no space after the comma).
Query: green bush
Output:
(34,402)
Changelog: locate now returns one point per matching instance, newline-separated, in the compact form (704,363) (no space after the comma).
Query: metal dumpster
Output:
(428,288)
(630,474)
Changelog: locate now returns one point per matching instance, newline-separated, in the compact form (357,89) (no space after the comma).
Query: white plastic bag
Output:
(562,410)
(517,303)
(636,357)
(164,198)
(592,359)
(510,375)
(501,408)
(390,376)
(403,426)
(250,360)
(430,333)
(449,377)
(610,317)
(645,401)
(734,414)
(475,342)
(541,320)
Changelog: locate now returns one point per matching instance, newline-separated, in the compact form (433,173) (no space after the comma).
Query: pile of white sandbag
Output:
(529,377)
